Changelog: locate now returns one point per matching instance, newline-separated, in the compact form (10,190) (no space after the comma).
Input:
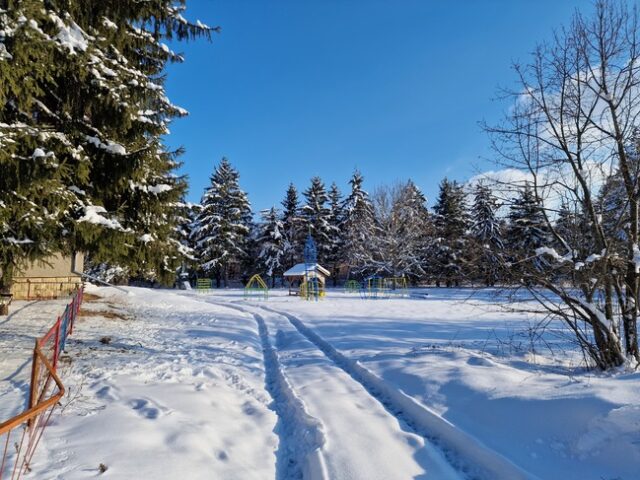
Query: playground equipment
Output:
(352,286)
(203,285)
(256,287)
(396,286)
(311,288)
(380,287)
(373,287)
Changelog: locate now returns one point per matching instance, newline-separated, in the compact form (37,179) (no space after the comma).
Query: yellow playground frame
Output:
(256,287)
(379,287)
(203,285)
(316,284)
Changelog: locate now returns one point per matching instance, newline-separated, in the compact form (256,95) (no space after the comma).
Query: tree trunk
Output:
(609,350)
(6,281)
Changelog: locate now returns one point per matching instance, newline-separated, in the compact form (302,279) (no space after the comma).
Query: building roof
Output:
(300,269)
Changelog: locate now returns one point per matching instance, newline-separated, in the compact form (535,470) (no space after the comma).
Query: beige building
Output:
(53,277)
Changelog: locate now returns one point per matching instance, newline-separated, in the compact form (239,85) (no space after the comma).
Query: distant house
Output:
(55,276)
(297,274)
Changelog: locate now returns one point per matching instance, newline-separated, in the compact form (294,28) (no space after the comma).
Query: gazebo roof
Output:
(300,269)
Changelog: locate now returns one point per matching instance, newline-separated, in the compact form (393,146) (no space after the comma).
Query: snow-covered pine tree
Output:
(414,226)
(291,228)
(83,110)
(527,225)
(315,217)
(250,263)
(221,229)
(271,244)
(571,225)
(448,252)
(487,232)
(186,221)
(334,257)
(358,227)
(613,201)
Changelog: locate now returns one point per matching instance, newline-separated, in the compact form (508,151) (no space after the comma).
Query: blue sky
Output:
(295,88)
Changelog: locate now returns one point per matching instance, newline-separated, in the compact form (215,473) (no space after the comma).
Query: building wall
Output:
(53,279)
(45,287)
(57,265)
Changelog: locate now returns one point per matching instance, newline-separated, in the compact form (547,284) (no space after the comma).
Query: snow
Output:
(70,36)
(17,241)
(92,215)
(636,257)
(4,54)
(442,385)
(157,189)
(38,153)
(18,332)
(76,190)
(111,147)
(109,24)
(301,269)
(553,254)
(594,257)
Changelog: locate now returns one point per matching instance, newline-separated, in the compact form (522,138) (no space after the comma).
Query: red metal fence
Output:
(46,389)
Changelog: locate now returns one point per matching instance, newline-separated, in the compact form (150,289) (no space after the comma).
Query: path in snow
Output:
(362,439)
(469,455)
(176,392)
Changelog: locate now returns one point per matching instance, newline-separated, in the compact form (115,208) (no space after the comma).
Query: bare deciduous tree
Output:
(572,122)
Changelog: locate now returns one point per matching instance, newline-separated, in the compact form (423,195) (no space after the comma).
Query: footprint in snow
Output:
(107,393)
(222,455)
(143,407)
(480,362)
(249,409)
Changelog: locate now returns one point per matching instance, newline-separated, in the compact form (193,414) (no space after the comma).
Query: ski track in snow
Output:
(473,459)
(301,435)
(366,440)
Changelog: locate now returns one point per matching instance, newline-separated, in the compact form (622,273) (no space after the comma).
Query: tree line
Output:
(468,237)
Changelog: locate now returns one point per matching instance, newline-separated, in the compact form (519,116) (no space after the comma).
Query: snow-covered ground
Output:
(166,384)
(27,321)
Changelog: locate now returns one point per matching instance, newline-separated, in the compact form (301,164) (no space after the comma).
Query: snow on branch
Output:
(553,254)
(70,36)
(92,215)
(17,241)
(111,147)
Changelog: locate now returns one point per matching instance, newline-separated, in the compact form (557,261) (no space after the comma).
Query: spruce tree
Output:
(291,227)
(487,232)
(223,225)
(334,256)
(414,225)
(271,243)
(451,220)
(572,227)
(358,227)
(315,217)
(83,112)
(527,225)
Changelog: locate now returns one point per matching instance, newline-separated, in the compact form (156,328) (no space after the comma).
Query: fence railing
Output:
(45,391)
